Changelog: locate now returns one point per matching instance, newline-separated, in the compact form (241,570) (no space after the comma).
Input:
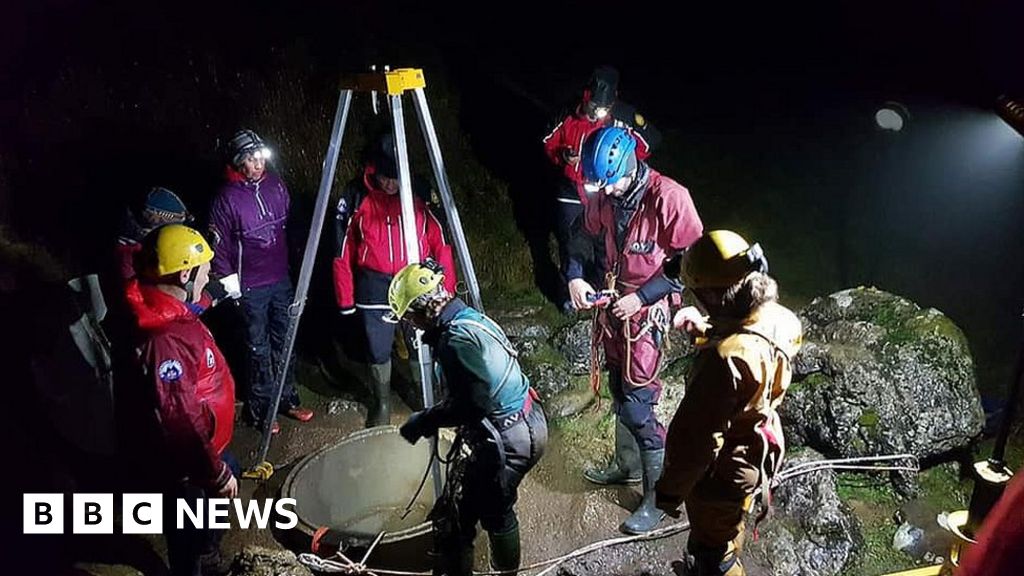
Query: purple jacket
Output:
(248,224)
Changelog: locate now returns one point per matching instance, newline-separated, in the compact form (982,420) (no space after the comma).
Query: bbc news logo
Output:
(144,513)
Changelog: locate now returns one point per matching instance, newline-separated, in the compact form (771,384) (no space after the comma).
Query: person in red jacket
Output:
(598,108)
(645,219)
(1000,538)
(372,252)
(189,384)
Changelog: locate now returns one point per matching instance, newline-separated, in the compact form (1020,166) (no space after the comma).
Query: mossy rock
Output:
(880,375)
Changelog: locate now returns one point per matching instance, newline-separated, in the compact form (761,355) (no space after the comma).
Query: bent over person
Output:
(492,404)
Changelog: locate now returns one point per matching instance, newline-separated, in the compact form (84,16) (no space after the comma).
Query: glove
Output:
(347,311)
(668,503)
(416,427)
(216,291)
(231,286)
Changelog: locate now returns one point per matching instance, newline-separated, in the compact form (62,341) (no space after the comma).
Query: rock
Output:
(259,561)
(880,375)
(519,327)
(907,538)
(548,379)
(573,343)
(569,402)
(338,405)
(810,531)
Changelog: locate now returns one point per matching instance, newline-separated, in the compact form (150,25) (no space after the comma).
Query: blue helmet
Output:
(607,157)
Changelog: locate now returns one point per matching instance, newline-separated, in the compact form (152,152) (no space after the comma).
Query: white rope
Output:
(849,464)
(347,566)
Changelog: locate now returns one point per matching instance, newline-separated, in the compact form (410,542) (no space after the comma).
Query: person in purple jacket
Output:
(247,221)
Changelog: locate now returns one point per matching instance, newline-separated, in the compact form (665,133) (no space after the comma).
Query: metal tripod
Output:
(394,84)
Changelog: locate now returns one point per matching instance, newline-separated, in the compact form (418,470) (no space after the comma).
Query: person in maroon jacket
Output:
(189,384)
(598,107)
(645,219)
(372,252)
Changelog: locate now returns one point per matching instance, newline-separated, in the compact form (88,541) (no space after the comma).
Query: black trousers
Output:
(485,498)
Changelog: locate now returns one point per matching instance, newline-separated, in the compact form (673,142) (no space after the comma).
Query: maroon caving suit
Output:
(664,223)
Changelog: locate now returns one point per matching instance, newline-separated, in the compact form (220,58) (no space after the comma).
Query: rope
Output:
(345,565)
(855,463)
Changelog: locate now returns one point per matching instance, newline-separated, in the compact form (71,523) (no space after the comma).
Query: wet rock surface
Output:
(810,531)
(880,375)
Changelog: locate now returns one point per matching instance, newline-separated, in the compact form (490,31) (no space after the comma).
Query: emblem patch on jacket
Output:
(639,247)
(170,371)
(209,358)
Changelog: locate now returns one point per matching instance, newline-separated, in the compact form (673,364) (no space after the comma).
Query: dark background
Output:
(767,112)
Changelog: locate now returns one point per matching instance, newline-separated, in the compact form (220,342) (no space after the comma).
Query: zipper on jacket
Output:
(391,245)
(239,267)
(259,202)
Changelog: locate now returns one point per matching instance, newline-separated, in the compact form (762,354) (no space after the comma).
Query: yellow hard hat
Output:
(719,259)
(410,283)
(177,247)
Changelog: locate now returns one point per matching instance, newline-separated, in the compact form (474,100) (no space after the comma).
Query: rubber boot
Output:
(379,413)
(505,553)
(625,467)
(647,515)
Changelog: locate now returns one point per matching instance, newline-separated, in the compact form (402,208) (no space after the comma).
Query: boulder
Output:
(880,375)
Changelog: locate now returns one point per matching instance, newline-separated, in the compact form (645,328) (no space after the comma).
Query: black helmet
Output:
(242,143)
(383,156)
(603,86)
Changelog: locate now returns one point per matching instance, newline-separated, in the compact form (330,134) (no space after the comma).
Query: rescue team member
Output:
(248,219)
(644,218)
(725,441)
(490,401)
(189,386)
(372,252)
(599,107)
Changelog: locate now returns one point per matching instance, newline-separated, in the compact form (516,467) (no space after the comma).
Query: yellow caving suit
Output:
(725,440)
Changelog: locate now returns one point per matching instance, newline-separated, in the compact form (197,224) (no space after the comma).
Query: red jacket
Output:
(998,551)
(375,241)
(191,382)
(665,223)
(573,130)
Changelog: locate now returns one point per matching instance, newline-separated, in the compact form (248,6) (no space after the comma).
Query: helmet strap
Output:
(190,286)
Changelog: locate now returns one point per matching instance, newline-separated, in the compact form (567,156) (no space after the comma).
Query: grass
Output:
(874,502)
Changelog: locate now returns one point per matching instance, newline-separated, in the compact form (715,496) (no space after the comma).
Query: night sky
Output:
(767,112)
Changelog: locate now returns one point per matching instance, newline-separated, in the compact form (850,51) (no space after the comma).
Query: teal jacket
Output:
(478,367)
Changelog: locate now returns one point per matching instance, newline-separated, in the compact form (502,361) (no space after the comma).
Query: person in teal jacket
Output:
(491,402)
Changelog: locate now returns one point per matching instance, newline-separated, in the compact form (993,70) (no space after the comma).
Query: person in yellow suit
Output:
(725,440)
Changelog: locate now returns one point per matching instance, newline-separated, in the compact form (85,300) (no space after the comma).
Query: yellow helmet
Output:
(719,259)
(410,283)
(176,247)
